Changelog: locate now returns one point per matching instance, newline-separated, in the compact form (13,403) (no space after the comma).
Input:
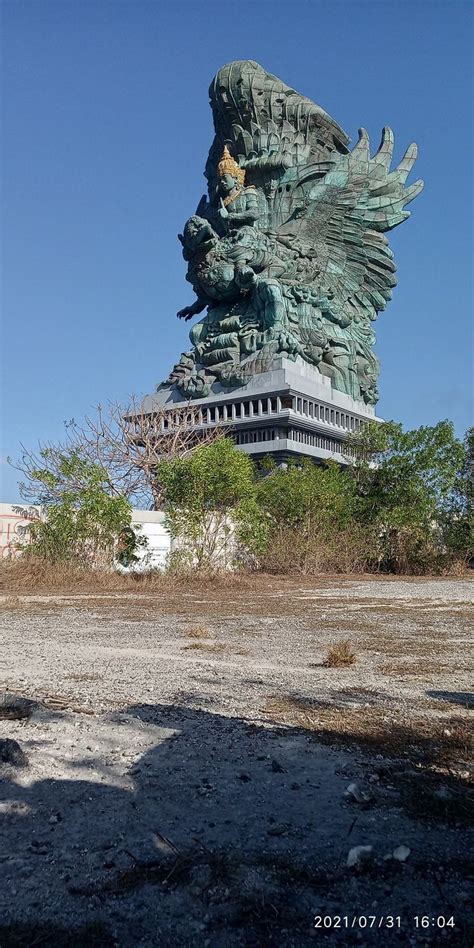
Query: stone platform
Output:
(289,411)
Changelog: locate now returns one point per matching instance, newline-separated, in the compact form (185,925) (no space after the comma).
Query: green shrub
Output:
(209,499)
(306,520)
(405,483)
(85,523)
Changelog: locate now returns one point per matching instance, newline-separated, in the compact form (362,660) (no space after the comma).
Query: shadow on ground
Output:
(464,698)
(230,833)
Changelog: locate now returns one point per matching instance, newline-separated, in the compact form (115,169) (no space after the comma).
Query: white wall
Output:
(150,526)
(14,521)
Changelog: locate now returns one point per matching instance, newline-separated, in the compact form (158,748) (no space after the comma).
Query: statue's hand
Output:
(186,313)
(223,212)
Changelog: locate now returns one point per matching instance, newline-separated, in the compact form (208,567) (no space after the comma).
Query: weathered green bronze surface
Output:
(288,251)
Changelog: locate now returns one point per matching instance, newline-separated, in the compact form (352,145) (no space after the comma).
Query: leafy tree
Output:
(458,520)
(307,518)
(209,499)
(404,483)
(307,496)
(85,523)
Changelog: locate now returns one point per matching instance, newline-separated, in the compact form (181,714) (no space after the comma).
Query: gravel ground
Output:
(189,759)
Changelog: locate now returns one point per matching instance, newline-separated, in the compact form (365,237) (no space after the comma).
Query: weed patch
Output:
(340,655)
(196,632)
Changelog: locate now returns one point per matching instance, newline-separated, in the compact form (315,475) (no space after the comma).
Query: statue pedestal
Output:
(290,411)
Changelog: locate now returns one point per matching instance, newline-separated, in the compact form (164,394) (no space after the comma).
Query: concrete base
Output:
(289,411)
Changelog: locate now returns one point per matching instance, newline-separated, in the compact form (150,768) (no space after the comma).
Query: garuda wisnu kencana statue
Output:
(287,252)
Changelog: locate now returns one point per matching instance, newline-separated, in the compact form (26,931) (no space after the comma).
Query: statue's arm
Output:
(189,311)
(251,213)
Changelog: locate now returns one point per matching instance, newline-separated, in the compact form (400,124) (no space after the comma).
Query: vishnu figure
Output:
(238,205)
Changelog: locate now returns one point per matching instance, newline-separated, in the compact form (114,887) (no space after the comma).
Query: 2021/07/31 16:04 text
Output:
(382,921)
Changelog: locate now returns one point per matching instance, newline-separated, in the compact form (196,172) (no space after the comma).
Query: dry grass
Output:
(380,729)
(342,551)
(11,603)
(420,669)
(28,574)
(215,647)
(340,655)
(383,644)
(18,604)
(196,632)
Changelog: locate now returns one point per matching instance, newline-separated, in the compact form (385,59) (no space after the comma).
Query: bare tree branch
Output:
(126,442)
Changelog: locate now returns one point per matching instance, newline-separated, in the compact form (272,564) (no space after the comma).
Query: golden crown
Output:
(228,165)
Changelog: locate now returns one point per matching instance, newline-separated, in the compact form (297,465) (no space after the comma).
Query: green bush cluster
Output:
(404,504)
(84,521)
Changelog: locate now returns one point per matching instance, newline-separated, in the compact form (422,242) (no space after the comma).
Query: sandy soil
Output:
(190,757)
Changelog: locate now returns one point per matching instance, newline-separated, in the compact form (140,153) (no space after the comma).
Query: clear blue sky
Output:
(106,131)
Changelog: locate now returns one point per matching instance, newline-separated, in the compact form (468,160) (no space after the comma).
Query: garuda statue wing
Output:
(337,220)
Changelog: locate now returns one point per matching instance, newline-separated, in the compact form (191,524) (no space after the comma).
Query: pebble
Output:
(11,753)
(401,853)
(358,856)
(355,792)
(15,707)
(278,830)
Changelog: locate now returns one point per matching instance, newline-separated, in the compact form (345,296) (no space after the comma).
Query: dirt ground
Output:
(190,757)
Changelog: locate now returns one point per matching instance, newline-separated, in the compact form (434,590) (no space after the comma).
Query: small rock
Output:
(55,818)
(355,792)
(14,707)
(359,856)
(277,768)
(279,829)
(40,849)
(11,753)
(401,853)
(244,777)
